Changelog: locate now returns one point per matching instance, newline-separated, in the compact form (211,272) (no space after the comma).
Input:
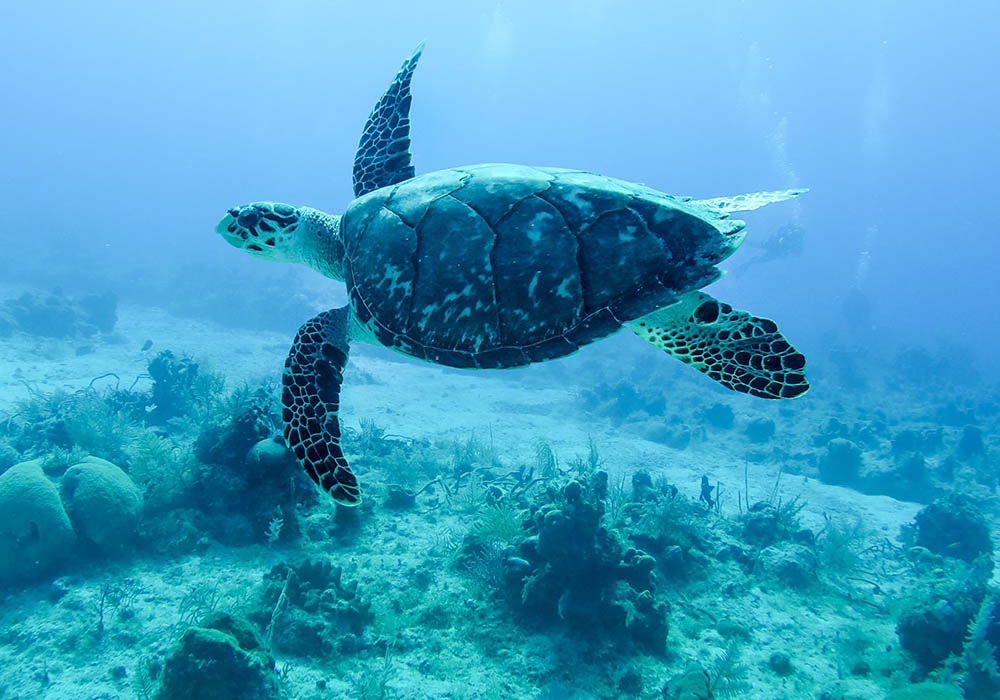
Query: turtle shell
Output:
(495,265)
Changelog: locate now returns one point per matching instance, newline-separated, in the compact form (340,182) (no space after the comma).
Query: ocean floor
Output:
(423,620)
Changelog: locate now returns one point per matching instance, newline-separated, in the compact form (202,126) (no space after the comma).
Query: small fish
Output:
(147,345)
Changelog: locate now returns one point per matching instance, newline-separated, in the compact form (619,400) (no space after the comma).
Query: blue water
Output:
(129,129)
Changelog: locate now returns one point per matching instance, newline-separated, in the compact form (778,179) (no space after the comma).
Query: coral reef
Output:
(952,612)
(910,440)
(953,526)
(724,678)
(103,504)
(35,531)
(981,657)
(251,419)
(173,383)
(910,464)
(719,416)
(934,627)
(971,444)
(8,457)
(765,524)
(793,564)
(671,527)
(780,663)
(308,610)
(507,553)
(572,570)
(41,424)
(88,421)
(841,465)
(221,657)
(252,480)
(100,310)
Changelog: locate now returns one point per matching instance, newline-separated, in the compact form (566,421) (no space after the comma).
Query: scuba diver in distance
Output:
(787,242)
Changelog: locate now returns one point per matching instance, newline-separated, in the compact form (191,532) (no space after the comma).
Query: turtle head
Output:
(283,233)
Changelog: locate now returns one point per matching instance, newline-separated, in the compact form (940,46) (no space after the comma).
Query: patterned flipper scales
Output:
(383,156)
(742,352)
(310,399)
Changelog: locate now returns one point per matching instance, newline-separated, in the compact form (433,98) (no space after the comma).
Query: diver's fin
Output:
(383,156)
(723,206)
(740,351)
(310,400)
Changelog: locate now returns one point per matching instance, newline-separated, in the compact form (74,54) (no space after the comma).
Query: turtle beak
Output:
(227,228)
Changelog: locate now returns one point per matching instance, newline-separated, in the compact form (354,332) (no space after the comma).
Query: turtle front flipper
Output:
(383,156)
(741,351)
(310,399)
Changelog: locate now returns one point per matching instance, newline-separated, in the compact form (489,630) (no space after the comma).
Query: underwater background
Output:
(608,525)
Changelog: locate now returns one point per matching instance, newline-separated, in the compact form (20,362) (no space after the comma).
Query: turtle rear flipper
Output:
(741,351)
(310,399)
(724,206)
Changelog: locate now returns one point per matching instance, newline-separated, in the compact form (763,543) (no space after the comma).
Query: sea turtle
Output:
(496,266)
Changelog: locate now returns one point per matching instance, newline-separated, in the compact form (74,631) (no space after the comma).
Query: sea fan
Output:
(979,659)
(499,522)
(487,565)
(96,425)
(546,463)
(727,678)
(158,467)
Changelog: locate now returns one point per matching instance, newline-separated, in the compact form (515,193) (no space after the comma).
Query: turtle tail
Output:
(310,400)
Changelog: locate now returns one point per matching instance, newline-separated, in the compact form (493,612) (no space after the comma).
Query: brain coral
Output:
(35,532)
(103,503)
